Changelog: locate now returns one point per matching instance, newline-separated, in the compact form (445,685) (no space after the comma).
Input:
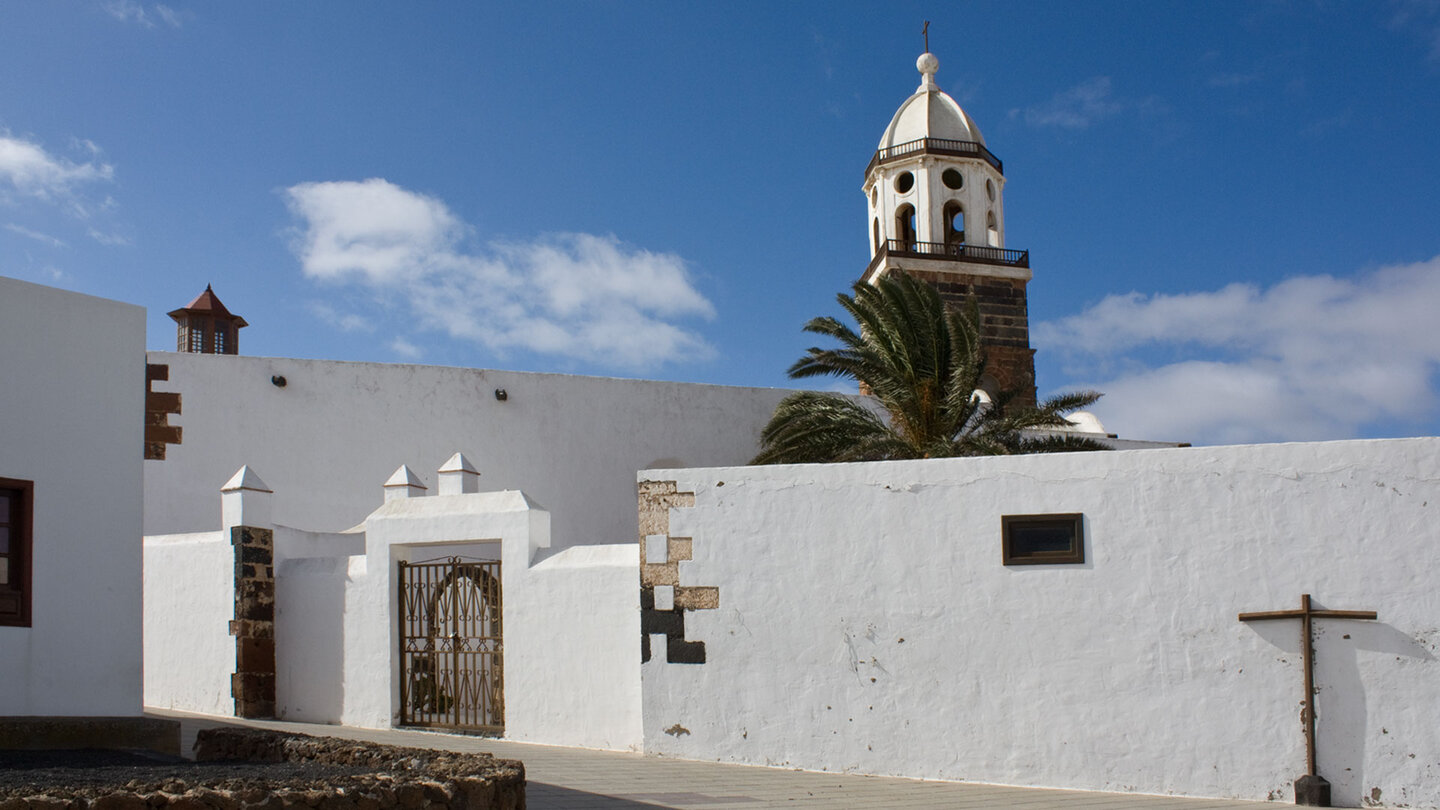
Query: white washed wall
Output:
(866,622)
(572,646)
(309,638)
(570,618)
(73,422)
(189,602)
(337,428)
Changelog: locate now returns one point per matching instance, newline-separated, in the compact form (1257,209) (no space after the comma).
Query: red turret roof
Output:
(208,303)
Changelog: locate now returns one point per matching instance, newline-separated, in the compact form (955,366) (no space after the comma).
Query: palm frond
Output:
(921,365)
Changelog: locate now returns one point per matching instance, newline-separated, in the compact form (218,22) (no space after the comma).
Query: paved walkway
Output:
(582,779)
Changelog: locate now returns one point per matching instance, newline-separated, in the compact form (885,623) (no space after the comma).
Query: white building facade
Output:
(331,430)
(72,416)
(869,618)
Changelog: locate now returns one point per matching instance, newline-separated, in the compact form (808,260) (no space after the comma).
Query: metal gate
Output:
(451,652)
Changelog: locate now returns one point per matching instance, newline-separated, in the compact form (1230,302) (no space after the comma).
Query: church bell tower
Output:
(936,201)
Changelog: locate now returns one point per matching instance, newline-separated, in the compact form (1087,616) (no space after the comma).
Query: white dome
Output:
(930,113)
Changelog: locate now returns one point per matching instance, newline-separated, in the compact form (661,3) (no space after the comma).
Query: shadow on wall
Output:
(310,653)
(1342,722)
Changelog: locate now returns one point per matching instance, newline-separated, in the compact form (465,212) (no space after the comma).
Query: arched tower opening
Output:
(905,225)
(954,217)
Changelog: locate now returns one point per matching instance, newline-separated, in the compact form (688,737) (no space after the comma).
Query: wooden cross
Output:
(1317,790)
(925,32)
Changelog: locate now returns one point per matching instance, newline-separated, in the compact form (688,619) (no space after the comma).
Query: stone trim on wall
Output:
(253,684)
(663,600)
(158,407)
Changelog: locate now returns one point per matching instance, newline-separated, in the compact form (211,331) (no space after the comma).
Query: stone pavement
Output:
(582,779)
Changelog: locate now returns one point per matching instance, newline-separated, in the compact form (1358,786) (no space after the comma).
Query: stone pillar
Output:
(245,511)
(253,684)
(458,476)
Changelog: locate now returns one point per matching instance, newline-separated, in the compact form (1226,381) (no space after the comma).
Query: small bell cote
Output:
(205,326)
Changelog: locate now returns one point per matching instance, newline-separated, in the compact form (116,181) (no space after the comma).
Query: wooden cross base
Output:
(1312,790)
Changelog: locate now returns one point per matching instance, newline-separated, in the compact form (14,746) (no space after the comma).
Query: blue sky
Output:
(1231,208)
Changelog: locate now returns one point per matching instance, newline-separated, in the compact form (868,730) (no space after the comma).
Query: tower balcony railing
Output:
(935,146)
(975,254)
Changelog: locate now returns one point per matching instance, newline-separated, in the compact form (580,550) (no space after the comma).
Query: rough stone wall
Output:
(663,600)
(1004,324)
(399,778)
(253,684)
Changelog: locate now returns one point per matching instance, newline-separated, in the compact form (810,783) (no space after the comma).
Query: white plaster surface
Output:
(74,414)
(866,623)
(189,602)
(337,428)
(309,637)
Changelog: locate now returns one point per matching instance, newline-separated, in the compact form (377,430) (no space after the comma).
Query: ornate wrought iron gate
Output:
(451,651)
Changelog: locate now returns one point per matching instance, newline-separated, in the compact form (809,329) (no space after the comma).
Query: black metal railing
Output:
(935,146)
(978,254)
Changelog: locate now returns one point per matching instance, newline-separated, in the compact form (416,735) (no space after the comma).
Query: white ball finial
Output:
(927,64)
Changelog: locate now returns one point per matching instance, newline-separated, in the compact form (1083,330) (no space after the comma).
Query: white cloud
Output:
(405,348)
(1312,357)
(573,295)
(1077,107)
(111,239)
(132,12)
(345,322)
(36,235)
(28,170)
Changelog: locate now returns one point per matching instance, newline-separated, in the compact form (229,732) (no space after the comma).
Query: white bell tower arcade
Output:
(936,202)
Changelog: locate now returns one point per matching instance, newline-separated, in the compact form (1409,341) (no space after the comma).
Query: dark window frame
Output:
(1075,555)
(15,595)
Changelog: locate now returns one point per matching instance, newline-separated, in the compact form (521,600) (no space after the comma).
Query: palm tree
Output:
(921,367)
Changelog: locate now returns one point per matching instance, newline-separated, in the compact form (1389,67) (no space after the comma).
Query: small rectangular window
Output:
(219,340)
(16,509)
(1043,539)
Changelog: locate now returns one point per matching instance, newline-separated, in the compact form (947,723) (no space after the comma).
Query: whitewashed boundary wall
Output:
(72,417)
(336,428)
(863,621)
(189,602)
(570,616)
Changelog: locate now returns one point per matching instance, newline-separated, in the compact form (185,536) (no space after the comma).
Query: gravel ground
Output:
(90,770)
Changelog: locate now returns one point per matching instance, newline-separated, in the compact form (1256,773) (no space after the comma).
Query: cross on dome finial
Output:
(927,64)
